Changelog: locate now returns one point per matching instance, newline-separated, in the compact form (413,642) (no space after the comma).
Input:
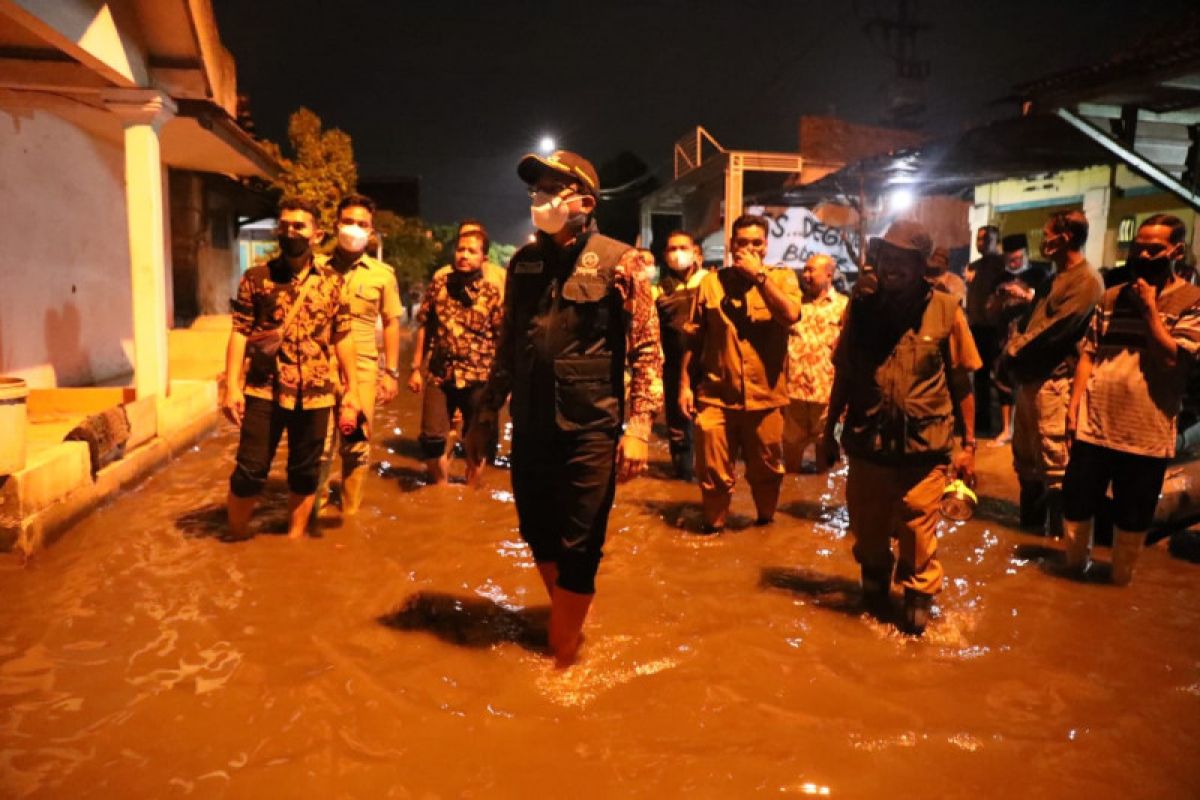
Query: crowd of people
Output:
(750,362)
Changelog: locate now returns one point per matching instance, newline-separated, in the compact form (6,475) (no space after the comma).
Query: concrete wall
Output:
(65,312)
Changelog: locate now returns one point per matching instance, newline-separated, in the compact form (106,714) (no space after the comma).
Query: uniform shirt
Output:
(643,353)
(304,376)
(493,273)
(810,347)
(462,323)
(1132,399)
(370,291)
(742,349)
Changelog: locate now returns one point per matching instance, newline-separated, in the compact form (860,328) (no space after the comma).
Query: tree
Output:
(322,169)
(410,247)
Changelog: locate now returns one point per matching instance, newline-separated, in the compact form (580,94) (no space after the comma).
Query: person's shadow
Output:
(834,592)
(270,518)
(471,621)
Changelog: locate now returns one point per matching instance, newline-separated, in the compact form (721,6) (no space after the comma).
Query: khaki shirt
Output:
(743,351)
(370,290)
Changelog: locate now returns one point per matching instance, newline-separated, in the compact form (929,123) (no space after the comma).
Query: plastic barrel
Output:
(13,393)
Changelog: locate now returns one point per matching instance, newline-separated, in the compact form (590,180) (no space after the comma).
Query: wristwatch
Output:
(760,277)
(394,373)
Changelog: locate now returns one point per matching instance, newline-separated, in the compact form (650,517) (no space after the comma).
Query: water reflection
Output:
(399,654)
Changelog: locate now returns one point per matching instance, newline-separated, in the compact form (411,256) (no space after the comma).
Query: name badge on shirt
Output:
(528,267)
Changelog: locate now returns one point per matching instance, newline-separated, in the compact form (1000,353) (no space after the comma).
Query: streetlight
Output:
(546,145)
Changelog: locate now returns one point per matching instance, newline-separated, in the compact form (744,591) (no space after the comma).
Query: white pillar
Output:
(143,113)
(1095,208)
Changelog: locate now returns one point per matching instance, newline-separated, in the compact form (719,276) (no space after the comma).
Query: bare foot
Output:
(1002,440)
(297,534)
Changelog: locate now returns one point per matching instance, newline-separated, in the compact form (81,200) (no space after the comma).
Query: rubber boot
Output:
(918,607)
(1127,546)
(1054,513)
(1077,538)
(876,585)
(353,484)
(681,464)
(1033,508)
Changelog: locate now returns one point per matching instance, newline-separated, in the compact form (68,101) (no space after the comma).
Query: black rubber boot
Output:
(876,584)
(681,463)
(1033,506)
(917,610)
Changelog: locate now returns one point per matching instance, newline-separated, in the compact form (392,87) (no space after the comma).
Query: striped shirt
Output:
(1132,397)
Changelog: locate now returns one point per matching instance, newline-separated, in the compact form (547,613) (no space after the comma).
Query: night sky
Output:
(456,92)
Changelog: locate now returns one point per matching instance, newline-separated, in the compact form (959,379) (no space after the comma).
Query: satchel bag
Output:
(263,346)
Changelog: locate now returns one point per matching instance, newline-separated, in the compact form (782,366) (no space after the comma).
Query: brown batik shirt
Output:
(304,373)
(462,321)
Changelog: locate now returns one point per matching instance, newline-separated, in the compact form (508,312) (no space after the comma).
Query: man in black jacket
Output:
(578,310)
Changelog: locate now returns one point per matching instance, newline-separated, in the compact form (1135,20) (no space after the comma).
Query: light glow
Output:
(547,145)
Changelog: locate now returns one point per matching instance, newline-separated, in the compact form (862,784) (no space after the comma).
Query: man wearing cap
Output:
(740,325)
(578,311)
(1041,358)
(1009,302)
(903,369)
(675,297)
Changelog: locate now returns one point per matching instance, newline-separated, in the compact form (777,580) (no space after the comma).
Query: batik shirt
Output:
(810,347)
(462,323)
(304,374)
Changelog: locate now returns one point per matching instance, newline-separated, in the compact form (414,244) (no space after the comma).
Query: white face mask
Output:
(680,260)
(551,217)
(353,238)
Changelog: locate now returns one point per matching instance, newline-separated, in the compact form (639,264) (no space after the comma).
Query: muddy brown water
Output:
(397,655)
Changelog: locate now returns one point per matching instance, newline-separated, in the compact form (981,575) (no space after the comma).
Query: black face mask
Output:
(1154,271)
(293,246)
(457,284)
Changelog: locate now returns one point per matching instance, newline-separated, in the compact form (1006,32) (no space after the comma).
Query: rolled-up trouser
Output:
(564,484)
(803,424)
(437,412)
(726,433)
(263,424)
(1039,445)
(902,502)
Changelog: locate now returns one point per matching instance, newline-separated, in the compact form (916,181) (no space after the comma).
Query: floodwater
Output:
(397,655)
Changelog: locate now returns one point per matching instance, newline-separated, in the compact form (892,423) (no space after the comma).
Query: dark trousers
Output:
(1136,483)
(564,484)
(437,412)
(987,341)
(679,425)
(263,425)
